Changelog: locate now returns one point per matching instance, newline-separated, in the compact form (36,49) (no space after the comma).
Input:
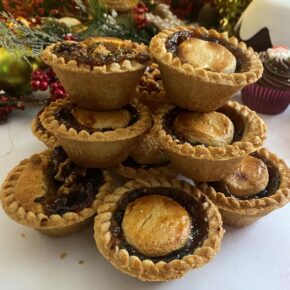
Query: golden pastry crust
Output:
(156,225)
(148,270)
(104,87)
(42,133)
(196,88)
(249,178)
(236,212)
(97,149)
(212,163)
(207,55)
(214,128)
(18,192)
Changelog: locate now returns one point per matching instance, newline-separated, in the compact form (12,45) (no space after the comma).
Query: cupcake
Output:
(271,94)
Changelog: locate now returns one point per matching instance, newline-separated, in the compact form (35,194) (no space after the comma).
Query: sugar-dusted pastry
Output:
(157,229)
(208,146)
(201,69)
(96,138)
(51,194)
(98,73)
(41,133)
(259,185)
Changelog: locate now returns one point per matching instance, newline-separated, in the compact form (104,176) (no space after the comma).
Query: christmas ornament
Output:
(260,27)
(230,11)
(14,73)
(163,18)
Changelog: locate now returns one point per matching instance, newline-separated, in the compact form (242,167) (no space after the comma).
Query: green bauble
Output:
(14,74)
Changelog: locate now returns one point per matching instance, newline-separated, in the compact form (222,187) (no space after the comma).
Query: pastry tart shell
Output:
(198,89)
(43,135)
(210,163)
(101,88)
(52,225)
(147,270)
(97,149)
(240,213)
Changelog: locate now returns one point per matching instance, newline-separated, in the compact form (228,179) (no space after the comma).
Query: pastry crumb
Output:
(23,235)
(63,255)
(81,262)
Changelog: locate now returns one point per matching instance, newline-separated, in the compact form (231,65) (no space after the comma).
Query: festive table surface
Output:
(255,257)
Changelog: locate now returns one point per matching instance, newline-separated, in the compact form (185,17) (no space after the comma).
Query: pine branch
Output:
(21,40)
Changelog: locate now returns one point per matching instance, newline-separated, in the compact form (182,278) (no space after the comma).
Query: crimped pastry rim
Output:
(53,60)
(43,135)
(41,221)
(132,173)
(132,265)
(254,127)
(139,127)
(253,206)
(159,51)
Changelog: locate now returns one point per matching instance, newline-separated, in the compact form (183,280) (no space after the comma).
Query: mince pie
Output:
(99,73)
(208,146)
(147,158)
(201,69)
(156,229)
(53,195)
(41,133)
(100,138)
(259,185)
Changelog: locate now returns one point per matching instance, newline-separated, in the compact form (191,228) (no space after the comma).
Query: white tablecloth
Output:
(256,257)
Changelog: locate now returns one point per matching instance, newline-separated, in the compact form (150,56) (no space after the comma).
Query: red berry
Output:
(4,99)
(35,85)
(58,93)
(54,86)
(43,86)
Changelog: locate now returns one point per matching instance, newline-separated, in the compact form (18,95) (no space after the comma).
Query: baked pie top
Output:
(63,117)
(217,143)
(48,187)
(212,129)
(98,53)
(153,222)
(207,54)
(261,181)
(249,178)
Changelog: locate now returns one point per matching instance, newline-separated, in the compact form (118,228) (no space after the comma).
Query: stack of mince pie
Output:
(154,227)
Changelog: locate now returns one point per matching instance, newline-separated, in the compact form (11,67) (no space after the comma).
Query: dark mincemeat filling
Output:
(130,162)
(83,187)
(199,229)
(271,188)
(173,42)
(83,54)
(65,116)
(170,117)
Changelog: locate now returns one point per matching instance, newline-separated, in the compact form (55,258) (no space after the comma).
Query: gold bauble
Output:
(14,73)
(120,5)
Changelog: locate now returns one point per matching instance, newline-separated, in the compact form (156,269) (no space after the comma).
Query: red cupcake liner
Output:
(265,100)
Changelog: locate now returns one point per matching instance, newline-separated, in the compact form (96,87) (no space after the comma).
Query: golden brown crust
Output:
(19,207)
(249,178)
(43,135)
(156,225)
(146,269)
(212,163)
(238,212)
(214,128)
(198,89)
(85,148)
